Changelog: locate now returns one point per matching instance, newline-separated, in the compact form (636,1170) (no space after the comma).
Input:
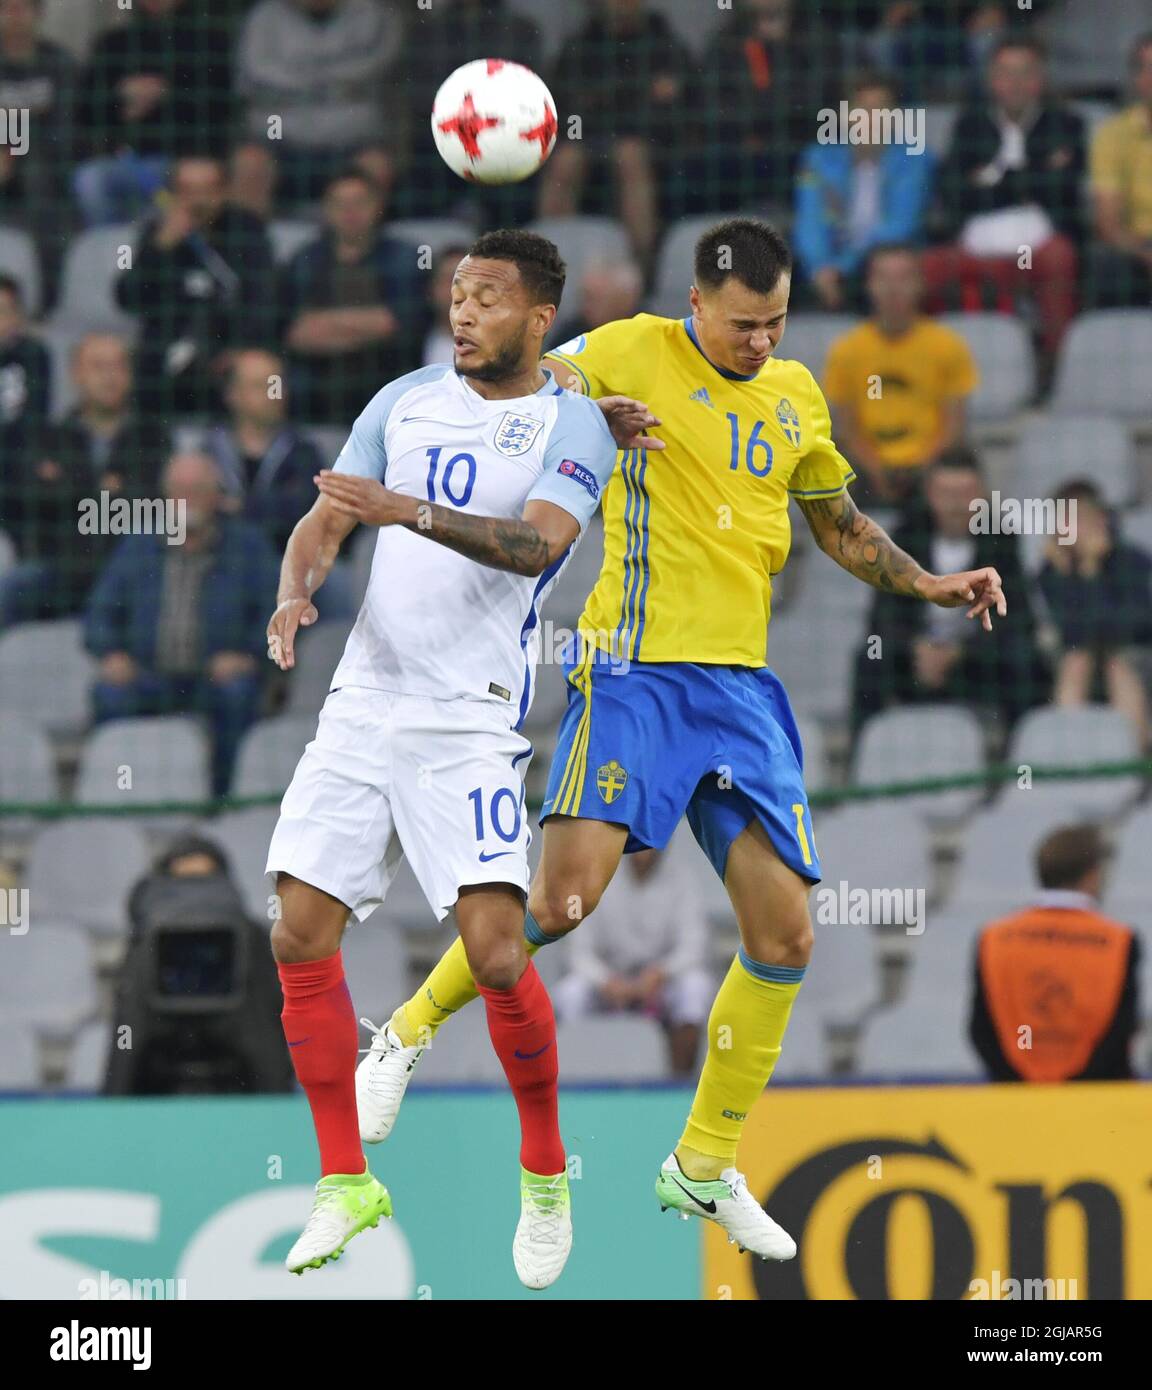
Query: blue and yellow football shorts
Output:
(644,744)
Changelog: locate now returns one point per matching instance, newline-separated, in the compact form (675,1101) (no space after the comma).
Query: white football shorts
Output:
(389,776)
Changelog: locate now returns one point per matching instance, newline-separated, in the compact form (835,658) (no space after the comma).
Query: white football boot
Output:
(381,1080)
(544,1231)
(727,1201)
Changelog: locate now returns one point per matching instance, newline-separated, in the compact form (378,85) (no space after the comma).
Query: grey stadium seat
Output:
(19,1057)
(405,908)
(1079,737)
(584,241)
(816,775)
(45,674)
(817,674)
(27,767)
(674,266)
(1104,365)
(7,552)
(804,1054)
(1055,449)
(244,837)
(82,871)
(842,981)
(874,844)
(87,299)
(376,968)
(318,652)
(269,753)
(434,232)
(289,235)
(19,259)
(1003,352)
(48,981)
(940,960)
(168,758)
(461,1052)
(61,343)
(88,1057)
(923,1038)
(923,741)
(566,601)
(1128,878)
(939,120)
(995,871)
(807,338)
(608,1048)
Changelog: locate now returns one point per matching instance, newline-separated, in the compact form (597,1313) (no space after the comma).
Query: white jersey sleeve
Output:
(365,452)
(578,459)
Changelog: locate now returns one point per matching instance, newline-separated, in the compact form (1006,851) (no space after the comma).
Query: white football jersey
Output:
(433,622)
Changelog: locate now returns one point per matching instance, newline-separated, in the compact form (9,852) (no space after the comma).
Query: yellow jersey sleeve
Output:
(615,360)
(823,471)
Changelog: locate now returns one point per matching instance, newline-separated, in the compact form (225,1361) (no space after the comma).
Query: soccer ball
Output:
(494,121)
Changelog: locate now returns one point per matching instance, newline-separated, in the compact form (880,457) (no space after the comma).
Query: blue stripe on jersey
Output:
(643,555)
(529,624)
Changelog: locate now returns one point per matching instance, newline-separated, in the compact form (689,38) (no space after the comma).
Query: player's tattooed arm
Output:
(860,545)
(504,543)
(864,548)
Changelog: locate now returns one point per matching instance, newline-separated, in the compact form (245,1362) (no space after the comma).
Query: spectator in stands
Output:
(202,283)
(765,75)
(647,952)
(203,1004)
(102,445)
(1011,181)
(1056,989)
(25,379)
(938,44)
(913,652)
(355,306)
(898,383)
(1120,267)
(37,77)
(850,198)
(313,76)
(438,340)
(266,464)
(1099,594)
(157,88)
(608,290)
(627,75)
(441,38)
(181,627)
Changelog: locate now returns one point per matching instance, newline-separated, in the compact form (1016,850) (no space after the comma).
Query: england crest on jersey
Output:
(515,434)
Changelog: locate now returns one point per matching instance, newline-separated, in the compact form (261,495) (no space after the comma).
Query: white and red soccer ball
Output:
(494,121)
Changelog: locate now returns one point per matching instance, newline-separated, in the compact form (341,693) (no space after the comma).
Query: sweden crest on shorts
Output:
(788,420)
(515,434)
(611,779)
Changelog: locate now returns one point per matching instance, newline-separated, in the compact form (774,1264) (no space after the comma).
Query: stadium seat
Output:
(924,1039)
(82,871)
(939,120)
(674,266)
(566,601)
(550,699)
(289,235)
(434,232)
(816,674)
(460,1054)
(1003,352)
(19,1057)
(1055,449)
(167,756)
(1128,880)
(48,981)
(87,301)
(318,652)
(816,773)
(1079,737)
(88,1057)
(61,343)
(807,338)
(1104,365)
(7,553)
(45,674)
(584,241)
(842,981)
(875,845)
(940,960)
(923,741)
(405,908)
(269,753)
(1090,43)
(376,967)
(244,836)
(804,1054)
(27,767)
(329,439)
(19,259)
(612,1048)
(1136,527)
(995,871)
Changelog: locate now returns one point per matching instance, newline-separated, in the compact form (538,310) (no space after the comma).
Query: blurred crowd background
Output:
(229,228)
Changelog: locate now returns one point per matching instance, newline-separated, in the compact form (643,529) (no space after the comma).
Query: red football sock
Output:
(320,1028)
(523,1031)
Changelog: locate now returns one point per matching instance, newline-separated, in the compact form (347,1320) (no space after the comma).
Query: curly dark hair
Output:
(537,259)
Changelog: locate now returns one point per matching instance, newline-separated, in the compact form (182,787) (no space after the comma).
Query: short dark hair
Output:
(959,456)
(890,248)
(1139,44)
(536,258)
(352,173)
(865,79)
(1067,854)
(1081,490)
(10,285)
(1014,38)
(752,251)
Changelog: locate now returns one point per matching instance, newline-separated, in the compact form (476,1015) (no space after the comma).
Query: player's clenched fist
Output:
(289,615)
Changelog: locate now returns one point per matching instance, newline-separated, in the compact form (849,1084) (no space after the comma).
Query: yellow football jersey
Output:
(694,533)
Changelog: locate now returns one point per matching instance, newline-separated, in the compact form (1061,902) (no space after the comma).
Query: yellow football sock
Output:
(446,990)
(745,1030)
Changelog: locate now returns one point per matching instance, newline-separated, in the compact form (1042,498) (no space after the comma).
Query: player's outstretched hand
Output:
(630,422)
(293,613)
(982,589)
(363,499)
